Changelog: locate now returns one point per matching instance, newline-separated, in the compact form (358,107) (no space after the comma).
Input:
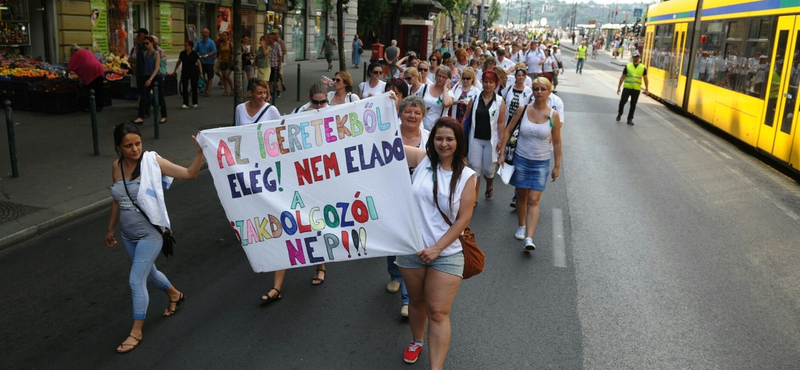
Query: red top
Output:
(86,65)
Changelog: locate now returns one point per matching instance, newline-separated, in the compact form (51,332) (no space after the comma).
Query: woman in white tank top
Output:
(538,124)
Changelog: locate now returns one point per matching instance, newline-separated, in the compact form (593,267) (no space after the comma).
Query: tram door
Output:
(672,65)
(780,117)
(679,50)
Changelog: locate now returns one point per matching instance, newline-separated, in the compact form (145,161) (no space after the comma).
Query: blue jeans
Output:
(579,67)
(144,253)
(394,271)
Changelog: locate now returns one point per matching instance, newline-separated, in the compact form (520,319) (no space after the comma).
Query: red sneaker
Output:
(411,354)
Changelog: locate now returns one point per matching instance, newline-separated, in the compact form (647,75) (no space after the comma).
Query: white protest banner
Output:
(324,186)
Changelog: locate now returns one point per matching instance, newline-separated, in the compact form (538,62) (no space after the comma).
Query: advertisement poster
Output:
(323,186)
(223,19)
(99,21)
(166,26)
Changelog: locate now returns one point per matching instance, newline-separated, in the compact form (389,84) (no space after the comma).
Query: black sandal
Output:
(489,193)
(271,299)
(177,303)
(316,280)
(133,346)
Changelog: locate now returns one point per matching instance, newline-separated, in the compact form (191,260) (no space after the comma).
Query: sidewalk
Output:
(61,180)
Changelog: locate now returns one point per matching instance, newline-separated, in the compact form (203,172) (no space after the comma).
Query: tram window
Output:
(735,30)
(791,96)
(685,66)
(662,46)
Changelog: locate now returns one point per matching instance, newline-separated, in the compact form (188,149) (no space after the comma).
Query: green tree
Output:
(494,12)
(454,10)
(370,15)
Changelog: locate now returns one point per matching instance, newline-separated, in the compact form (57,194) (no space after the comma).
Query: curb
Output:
(42,227)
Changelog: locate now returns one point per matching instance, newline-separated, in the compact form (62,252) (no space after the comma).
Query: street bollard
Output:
(365,71)
(12,140)
(298,81)
(156,110)
(93,110)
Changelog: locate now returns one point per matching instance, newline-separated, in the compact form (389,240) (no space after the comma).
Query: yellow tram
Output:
(732,63)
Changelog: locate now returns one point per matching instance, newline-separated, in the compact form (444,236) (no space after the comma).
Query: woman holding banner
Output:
(134,174)
(433,275)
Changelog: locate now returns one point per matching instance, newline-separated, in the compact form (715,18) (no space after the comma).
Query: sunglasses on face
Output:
(337,79)
(377,72)
(434,60)
(467,78)
(319,102)
(423,69)
(407,78)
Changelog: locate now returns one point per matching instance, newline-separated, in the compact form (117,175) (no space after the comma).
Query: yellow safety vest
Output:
(775,86)
(633,78)
(582,52)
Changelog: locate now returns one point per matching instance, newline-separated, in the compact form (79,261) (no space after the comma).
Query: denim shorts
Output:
(530,174)
(452,264)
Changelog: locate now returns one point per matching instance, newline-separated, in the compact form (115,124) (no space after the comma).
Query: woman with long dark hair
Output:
(443,186)
(133,175)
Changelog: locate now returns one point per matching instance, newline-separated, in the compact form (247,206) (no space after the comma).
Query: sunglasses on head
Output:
(319,102)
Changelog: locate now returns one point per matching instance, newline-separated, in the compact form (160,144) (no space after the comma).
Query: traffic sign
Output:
(637,12)
(598,25)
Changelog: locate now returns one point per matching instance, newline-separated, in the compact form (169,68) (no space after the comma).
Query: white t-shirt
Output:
(505,64)
(347,99)
(553,101)
(367,91)
(457,91)
(422,89)
(532,59)
(431,223)
(434,107)
(242,118)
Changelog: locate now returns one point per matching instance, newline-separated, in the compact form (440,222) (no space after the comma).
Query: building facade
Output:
(47,28)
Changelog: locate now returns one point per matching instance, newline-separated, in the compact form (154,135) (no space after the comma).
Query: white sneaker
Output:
(529,246)
(393,286)
(184,106)
(520,233)
(194,105)
(404,311)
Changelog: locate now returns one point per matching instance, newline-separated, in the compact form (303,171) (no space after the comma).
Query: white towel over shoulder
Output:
(151,190)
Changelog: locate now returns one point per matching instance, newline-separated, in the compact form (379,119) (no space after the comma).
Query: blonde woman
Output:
(416,82)
(463,93)
(539,124)
(438,98)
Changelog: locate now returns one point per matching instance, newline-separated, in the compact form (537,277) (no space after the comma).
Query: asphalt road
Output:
(681,253)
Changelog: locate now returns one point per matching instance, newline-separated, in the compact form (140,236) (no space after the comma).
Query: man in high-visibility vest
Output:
(632,77)
(580,56)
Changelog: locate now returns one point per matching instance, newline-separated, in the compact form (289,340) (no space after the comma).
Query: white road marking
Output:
(559,249)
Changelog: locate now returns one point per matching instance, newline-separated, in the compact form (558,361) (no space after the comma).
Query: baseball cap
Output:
(635,54)
(143,30)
